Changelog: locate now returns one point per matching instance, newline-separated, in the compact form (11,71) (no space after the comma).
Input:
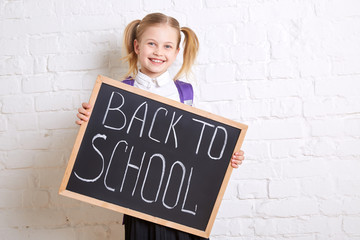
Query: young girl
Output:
(154,43)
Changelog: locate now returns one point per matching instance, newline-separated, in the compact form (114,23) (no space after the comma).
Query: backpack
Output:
(185,90)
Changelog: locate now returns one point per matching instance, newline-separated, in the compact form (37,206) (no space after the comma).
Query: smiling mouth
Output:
(156,60)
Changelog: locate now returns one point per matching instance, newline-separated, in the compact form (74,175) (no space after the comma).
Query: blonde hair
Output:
(136,28)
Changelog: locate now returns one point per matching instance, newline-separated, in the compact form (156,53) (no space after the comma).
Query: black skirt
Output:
(138,229)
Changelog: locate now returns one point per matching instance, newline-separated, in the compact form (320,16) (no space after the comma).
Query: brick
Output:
(10,85)
(13,9)
(69,81)
(35,140)
(318,187)
(243,53)
(220,73)
(287,148)
(339,86)
(254,109)
(285,108)
(227,210)
(315,67)
(3,123)
(89,232)
(251,33)
(327,127)
(282,69)
(10,198)
(13,46)
(331,207)
(15,65)
(88,214)
(54,102)
(57,120)
(161,4)
(216,92)
(20,159)
(351,225)
(281,88)
(349,148)
(241,227)
(18,104)
(85,23)
(287,208)
(44,45)
(276,129)
(226,30)
(217,16)
(346,67)
(352,127)
(39,8)
(274,11)
(19,179)
(13,28)
(23,121)
(348,187)
(88,42)
(284,188)
(36,199)
(338,9)
(225,109)
(32,218)
(187,4)
(255,150)
(132,6)
(253,71)
(258,171)
(317,107)
(351,206)
(77,62)
(216,4)
(40,64)
(36,84)
(253,189)
(8,141)
(305,168)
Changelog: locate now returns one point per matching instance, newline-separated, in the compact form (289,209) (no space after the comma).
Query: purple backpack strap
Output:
(129,81)
(186,92)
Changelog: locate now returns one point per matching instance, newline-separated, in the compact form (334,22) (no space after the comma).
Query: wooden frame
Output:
(63,188)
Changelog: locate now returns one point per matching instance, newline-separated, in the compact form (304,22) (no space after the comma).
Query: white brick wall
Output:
(289,69)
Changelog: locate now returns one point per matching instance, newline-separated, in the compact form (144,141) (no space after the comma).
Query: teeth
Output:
(157,61)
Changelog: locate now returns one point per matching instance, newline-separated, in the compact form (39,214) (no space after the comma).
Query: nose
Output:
(158,51)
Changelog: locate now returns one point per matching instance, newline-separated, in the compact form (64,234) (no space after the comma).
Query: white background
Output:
(290,69)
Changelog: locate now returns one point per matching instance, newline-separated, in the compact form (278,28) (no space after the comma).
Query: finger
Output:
(79,122)
(86,106)
(234,165)
(239,153)
(83,111)
(82,117)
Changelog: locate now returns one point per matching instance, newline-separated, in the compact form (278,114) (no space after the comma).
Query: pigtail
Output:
(131,57)
(191,47)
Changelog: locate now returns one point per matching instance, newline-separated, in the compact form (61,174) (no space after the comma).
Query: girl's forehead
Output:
(162,31)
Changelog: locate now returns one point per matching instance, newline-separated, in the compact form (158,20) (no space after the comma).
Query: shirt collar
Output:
(159,81)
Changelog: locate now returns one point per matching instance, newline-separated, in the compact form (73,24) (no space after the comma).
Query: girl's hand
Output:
(237,159)
(83,113)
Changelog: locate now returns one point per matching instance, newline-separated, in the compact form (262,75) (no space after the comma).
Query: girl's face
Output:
(157,49)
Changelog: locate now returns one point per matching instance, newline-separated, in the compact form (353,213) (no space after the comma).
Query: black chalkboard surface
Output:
(152,158)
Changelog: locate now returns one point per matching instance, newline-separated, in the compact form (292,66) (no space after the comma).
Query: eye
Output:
(168,46)
(151,43)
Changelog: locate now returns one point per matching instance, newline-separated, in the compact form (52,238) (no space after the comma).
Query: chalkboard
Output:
(153,158)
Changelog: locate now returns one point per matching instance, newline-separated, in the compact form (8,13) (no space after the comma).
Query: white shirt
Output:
(163,85)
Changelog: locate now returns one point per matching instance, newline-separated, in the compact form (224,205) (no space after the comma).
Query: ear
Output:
(136,46)
(177,51)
